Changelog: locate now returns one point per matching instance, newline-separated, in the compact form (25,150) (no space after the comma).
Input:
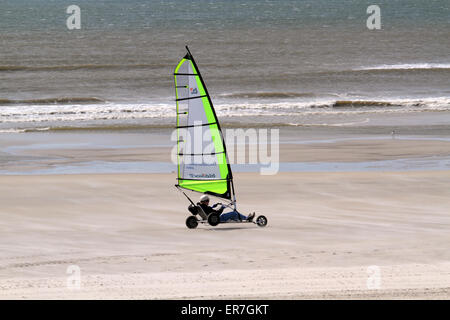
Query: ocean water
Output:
(265,62)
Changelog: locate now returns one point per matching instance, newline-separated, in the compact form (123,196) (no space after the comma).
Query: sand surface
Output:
(126,233)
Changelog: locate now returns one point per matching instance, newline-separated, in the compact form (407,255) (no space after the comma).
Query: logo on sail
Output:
(194,90)
(202,175)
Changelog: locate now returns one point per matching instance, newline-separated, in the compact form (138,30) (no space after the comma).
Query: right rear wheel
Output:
(191,222)
(214,219)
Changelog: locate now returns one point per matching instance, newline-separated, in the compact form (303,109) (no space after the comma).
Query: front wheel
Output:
(261,221)
(191,222)
(214,219)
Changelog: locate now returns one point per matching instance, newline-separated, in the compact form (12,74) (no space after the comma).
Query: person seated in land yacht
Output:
(204,204)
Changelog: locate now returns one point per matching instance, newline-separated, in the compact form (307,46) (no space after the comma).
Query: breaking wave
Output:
(93,113)
(360,103)
(407,66)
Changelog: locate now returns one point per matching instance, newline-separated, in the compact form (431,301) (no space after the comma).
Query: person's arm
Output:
(220,210)
(206,209)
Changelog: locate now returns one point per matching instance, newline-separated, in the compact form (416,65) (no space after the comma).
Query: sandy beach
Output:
(103,105)
(327,233)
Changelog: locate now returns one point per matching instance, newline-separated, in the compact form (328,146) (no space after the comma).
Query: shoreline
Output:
(350,120)
(106,152)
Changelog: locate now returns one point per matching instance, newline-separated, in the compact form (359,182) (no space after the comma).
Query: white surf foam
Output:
(406,66)
(17,117)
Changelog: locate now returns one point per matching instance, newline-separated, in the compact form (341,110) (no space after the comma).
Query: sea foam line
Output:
(121,111)
(407,66)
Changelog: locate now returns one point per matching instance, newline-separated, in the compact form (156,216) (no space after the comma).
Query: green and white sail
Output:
(202,159)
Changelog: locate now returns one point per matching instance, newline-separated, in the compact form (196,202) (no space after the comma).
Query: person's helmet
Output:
(204,198)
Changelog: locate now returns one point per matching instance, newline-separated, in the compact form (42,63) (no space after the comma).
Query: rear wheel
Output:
(261,221)
(191,222)
(214,219)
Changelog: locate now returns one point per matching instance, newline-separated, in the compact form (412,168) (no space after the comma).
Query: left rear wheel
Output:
(191,222)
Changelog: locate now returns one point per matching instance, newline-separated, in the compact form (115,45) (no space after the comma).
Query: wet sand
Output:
(43,152)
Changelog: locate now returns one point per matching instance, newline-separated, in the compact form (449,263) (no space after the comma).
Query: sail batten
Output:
(202,160)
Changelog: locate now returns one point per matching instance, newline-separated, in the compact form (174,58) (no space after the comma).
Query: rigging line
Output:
(200,154)
(181,99)
(198,125)
(186,74)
